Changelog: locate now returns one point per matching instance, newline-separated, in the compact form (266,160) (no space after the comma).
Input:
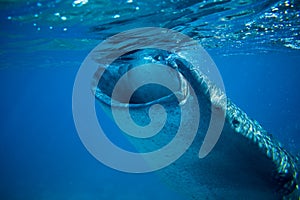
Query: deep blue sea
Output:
(255,45)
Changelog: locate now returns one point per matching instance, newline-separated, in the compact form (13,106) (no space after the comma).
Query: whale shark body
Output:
(245,163)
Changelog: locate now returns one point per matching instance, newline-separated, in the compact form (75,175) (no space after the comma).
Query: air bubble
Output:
(287,3)
(116,16)
(79,3)
(248,24)
(64,18)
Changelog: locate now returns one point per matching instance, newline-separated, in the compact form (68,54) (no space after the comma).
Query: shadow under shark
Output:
(246,162)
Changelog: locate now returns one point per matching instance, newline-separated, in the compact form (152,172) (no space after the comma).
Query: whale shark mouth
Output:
(148,94)
(247,162)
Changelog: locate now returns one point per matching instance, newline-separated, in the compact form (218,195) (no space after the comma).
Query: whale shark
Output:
(247,162)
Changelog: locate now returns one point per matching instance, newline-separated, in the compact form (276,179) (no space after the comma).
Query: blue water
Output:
(41,154)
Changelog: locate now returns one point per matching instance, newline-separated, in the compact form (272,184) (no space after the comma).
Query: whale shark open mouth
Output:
(148,94)
(246,163)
